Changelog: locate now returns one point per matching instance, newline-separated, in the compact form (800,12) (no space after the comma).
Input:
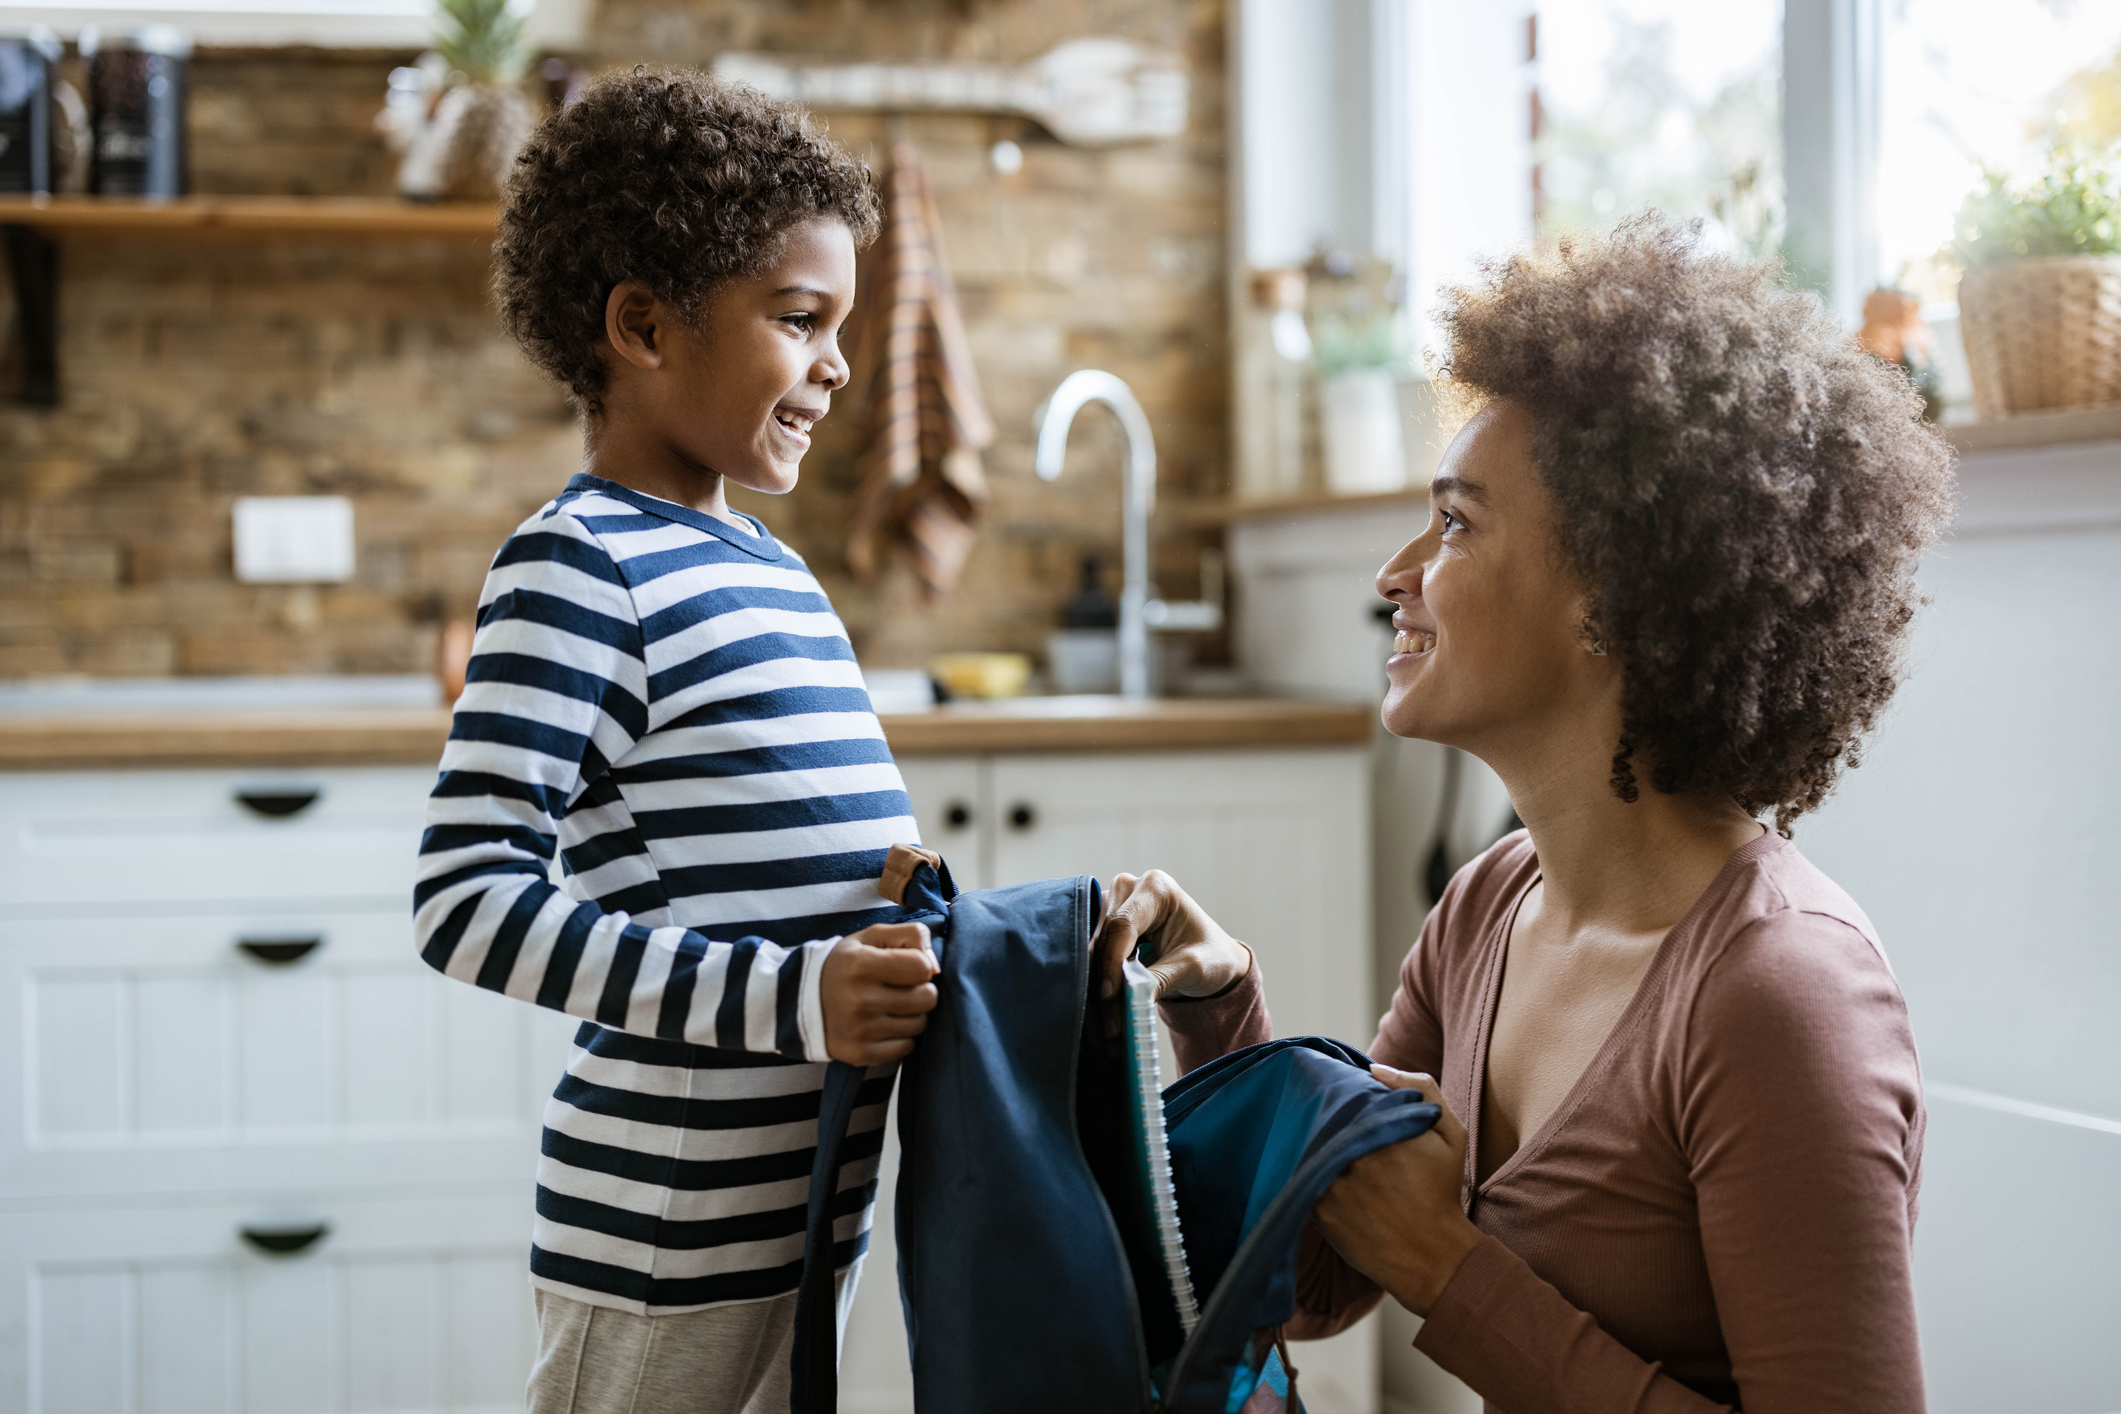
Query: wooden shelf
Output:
(31,224)
(247,216)
(1313,504)
(2038,429)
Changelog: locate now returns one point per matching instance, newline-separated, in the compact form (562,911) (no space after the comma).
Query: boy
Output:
(661,698)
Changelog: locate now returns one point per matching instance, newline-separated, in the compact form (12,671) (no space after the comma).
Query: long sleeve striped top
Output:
(664,796)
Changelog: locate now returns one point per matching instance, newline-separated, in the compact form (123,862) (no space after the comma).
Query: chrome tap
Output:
(1138,611)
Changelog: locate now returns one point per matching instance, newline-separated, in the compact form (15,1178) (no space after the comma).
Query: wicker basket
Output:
(2043,334)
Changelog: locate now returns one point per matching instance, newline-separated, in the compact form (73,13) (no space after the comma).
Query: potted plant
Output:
(460,117)
(1360,350)
(2040,302)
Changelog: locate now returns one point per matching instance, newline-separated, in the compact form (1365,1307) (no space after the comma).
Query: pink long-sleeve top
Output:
(1720,1213)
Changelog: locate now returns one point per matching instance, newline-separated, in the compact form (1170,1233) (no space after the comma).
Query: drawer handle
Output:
(285,1241)
(958,815)
(278,952)
(1022,817)
(277,804)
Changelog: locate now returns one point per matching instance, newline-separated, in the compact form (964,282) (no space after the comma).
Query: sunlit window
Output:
(1661,103)
(1969,85)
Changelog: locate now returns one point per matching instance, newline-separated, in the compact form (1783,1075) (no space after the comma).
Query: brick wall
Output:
(199,371)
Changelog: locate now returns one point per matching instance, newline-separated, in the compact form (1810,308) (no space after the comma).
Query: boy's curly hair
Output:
(1742,490)
(672,179)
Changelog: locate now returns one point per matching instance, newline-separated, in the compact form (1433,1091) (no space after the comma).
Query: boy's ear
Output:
(633,324)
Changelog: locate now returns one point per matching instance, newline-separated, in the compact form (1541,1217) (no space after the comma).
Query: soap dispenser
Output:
(1083,653)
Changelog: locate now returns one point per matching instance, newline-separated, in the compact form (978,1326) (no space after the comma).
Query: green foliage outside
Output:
(1606,163)
(2074,208)
(481,39)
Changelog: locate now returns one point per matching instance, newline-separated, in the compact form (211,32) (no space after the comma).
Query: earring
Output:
(1597,648)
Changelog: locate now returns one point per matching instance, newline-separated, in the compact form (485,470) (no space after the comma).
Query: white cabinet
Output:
(1274,843)
(163,1055)
(416,1304)
(224,1027)
(951,807)
(123,841)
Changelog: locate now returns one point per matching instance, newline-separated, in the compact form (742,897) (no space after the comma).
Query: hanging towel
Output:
(922,485)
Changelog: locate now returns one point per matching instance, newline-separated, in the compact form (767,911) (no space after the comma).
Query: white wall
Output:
(1981,835)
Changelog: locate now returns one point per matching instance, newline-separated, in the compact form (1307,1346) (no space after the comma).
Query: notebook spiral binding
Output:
(1154,1149)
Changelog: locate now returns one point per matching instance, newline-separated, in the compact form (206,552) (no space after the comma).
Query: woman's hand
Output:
(1194,956)
(1394,1215)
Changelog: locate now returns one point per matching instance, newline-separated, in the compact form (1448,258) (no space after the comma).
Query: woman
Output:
(1663,592)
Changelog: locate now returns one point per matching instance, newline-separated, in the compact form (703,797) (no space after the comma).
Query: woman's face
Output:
(1490,644)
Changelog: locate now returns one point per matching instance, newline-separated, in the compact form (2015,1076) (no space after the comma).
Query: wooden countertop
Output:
(1111,724)
(365,736)
(414,736)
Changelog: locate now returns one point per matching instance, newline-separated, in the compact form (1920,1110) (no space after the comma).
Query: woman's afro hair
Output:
(1742,490)
(672,179)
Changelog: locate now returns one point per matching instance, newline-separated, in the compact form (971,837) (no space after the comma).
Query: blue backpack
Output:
(1027,1280)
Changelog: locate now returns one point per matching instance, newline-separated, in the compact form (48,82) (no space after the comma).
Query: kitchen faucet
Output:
(1138,612)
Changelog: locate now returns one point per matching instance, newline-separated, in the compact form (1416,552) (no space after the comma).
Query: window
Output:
(1660,103)
(1969,85)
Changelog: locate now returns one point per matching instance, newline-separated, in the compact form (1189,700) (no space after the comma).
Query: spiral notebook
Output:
(1151,1150)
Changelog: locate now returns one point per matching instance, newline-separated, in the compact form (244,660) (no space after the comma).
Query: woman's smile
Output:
(1411,643)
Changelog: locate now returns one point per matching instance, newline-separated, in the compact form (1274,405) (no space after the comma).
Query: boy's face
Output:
(744,382)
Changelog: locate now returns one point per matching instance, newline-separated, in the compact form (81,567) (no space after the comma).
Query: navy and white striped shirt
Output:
(665,795)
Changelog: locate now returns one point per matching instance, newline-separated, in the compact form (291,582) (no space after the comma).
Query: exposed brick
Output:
(198,371)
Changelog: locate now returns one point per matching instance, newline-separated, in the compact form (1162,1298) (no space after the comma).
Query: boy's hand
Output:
(877,988)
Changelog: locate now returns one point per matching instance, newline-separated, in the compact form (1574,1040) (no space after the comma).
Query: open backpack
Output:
(1070,1239)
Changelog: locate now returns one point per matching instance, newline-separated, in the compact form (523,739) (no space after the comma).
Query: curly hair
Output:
(1742,491)
(672,179)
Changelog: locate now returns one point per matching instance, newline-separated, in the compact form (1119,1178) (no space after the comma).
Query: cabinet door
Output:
(97,840)
(246,1052)
(417,1305)
(1275,844)
(951,805)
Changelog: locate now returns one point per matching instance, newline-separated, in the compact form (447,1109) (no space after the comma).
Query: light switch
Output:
(294,539)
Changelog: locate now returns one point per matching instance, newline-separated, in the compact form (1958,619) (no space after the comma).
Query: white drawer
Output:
(159,1056)
(406,1305)
(117,839)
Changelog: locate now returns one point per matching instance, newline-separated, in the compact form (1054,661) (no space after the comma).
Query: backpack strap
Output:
(814,1364)
(814,1383)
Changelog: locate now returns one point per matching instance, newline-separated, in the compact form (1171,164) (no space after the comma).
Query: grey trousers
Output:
(724,1360)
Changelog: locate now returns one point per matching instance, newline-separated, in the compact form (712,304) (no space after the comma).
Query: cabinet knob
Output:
(277,804)
(285,1241)
(278,952)
(958,815)
(1022,817)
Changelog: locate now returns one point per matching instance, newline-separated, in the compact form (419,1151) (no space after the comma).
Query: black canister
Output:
(26,60)
(136,99)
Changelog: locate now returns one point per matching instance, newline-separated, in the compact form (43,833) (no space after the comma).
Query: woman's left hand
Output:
(1395,1215)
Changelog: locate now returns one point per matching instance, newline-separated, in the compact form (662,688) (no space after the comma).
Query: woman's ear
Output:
(633,324)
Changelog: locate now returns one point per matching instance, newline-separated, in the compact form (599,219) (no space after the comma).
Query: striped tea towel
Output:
(922,485)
